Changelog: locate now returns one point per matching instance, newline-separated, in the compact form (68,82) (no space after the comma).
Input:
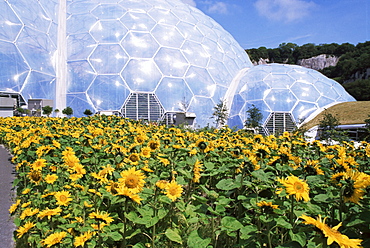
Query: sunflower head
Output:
(132,179)
(267,207)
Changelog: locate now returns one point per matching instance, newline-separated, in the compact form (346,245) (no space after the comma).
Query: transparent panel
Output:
(219,73)
(32,14)
(79,46)
(168,36)
(231,65)
(10,25)
(37,49)
(108,11)
(39,85)
(108,92)
(190,31)
(80,23)
(163,16)
(237,105)
(324,101)
(79,103)
(183,13)
(200,82)
(219,93)
(108,31)
(108,59)
(322,86)
(138,21)
(203,108)
(141,75)
(303,110)
(53,33)
(171,62)
(135,5)
(51,7)
(278,81)
(173,93)
(140,45)
(253,75)
(343,94)
(163,4)
(13,69)
(207,31)
(302,76)
(195,53)
(235,122)
(280,100)
(81,7)
(214,49)
(80,76)
(255,91)
(305,92)
(261,105)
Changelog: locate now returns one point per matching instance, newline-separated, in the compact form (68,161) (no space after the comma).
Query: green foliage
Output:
(88,112)
(67,111)
(328,128)
(359,89)
(47,110)
(220,113)
(254,117)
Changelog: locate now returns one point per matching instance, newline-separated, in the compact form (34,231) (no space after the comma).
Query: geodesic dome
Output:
(144,58)
(286,95)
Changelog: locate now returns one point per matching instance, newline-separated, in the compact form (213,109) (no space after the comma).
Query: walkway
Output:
(7,226)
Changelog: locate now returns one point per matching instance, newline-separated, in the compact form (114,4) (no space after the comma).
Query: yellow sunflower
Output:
(63,197)
(14,206)
(132,179)
(197,169)
(297,187)
(24,229)
(54,238)
(134,158)
(50,179)
(173,190)
(146,152)
(49,212)
(80,240)
(39,164)
(101,216)
(35,176)
(332,234)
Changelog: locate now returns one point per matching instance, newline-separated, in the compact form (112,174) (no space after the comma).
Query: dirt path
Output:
(7,226)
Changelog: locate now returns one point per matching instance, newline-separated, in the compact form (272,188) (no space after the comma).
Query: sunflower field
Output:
(105,181)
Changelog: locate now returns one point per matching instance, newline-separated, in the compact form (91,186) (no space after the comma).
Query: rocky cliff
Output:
(319,62)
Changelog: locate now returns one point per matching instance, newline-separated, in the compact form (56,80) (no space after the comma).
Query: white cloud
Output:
(190,2)
(284,10)
(218,7)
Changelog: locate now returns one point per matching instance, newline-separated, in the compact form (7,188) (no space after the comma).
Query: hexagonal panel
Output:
(219,73)
(213,48)
(140,45)
(108,92)
(305,91)
(80,23)
(303,110)
(10,25)
(168,36)
(171,62)
(138,21)
(81,74)
(301,76)
(80,7)
(255,91)
(207,31)
(172,92)
(33,15)
(183,14)
(163,16)
(108,58)
(79,102)
(135,5)
(79,46)
(200,82)
(141,75)
(13,69)
(195,53)
(278,81)
(324,101)
(108,31)
(261,105)
(203,107)
(190,31)
(39,85)
(108,11)
(280,100)
(37,49)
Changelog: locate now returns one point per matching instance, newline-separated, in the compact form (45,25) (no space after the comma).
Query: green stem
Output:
(292,211)
(123,243)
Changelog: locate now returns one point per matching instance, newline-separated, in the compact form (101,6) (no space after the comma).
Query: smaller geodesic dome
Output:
(286,95)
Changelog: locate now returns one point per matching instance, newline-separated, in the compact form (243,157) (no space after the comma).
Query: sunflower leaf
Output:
(173,235)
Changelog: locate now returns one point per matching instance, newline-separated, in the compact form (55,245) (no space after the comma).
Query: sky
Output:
(269,23)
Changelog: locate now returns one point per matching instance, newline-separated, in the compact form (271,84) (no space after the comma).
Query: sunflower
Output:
(24,229)
(173,190)
(146,152)
(54,238)
(101,216)
(39,164)
(197,169)
(134,158)
(63,198)
(28,212)
(35,176)
(267,207)
(132,179)
(50,179)
(162,184)
(80,240)
(332,234)
(14,206)
(295,186)
(49,212)
(154,144)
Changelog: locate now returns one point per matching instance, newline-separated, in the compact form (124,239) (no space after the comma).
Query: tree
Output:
(220,114)
(47,110)
(254,118)
(329,131)
(68,111)
(88,112)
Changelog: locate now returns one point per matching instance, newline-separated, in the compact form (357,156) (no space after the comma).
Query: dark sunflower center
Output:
(131,182)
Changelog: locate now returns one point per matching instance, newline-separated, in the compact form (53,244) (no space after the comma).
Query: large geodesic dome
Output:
(143,58)
(285,94)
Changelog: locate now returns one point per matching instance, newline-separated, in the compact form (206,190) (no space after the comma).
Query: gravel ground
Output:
(7,226)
